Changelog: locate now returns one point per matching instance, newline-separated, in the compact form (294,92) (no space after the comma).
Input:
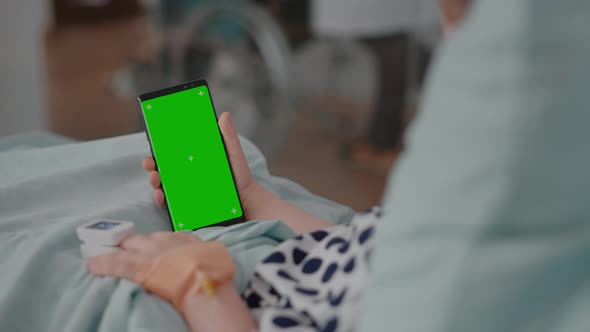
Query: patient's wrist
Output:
(258,202)
(262,204)
(226,311)
(182,272)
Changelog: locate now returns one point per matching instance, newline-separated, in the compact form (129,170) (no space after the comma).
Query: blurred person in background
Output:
(288,280)
(386,27)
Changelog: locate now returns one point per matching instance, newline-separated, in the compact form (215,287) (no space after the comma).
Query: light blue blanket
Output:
(50,185)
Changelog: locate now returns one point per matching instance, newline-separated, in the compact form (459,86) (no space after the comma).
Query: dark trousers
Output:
(387,125)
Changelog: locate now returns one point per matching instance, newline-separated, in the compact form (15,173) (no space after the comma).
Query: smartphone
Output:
(190,155)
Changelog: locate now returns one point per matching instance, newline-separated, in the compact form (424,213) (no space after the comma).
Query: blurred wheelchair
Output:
(237,47)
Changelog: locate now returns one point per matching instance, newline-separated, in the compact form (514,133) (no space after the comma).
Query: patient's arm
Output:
(258,202)
(262,204)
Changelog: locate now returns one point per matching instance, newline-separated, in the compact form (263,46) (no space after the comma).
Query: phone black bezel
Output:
(177,88)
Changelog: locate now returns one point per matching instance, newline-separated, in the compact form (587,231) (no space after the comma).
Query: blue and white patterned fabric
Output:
(314,282)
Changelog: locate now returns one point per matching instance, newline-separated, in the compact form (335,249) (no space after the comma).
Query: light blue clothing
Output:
(487,217)
(47,191)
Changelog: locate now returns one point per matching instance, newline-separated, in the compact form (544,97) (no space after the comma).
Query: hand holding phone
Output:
(259,203)
(191,157)
(245,182)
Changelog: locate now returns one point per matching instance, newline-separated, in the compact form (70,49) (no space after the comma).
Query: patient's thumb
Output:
(226,125)
(230,138)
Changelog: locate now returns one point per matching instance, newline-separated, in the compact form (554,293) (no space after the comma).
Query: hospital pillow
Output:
(487,216)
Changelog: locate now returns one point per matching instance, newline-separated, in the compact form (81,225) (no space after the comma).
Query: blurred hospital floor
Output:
(311,157)
(81,62)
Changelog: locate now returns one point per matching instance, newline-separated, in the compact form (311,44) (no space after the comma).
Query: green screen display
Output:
(189,151)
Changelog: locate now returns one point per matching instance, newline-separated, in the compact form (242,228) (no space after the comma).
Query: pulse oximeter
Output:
(103,236)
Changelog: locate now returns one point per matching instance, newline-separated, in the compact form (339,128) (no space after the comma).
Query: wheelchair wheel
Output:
(245,57)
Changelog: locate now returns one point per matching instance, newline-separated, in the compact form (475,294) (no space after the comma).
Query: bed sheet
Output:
(49,185)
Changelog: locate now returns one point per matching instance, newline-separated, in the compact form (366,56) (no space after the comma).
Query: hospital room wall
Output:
(22,93)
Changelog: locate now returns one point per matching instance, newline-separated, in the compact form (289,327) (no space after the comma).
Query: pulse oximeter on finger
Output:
(105,232)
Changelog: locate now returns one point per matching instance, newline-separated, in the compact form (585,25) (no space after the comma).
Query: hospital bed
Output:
(51,184)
